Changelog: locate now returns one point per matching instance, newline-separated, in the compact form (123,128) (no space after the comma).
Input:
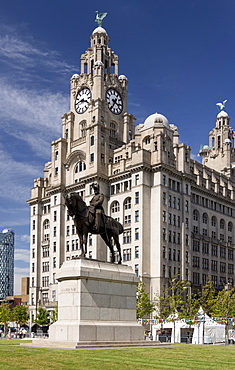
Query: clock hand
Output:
(114,102)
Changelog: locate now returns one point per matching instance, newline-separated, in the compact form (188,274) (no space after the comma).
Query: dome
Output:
(99,30)
(75,75)
(156,120)
(222,113)
(227,141)
(122,77)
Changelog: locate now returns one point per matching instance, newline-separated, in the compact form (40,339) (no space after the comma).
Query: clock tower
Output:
(98,121)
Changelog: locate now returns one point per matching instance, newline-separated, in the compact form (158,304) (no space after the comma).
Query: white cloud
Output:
(195,157)
(22,255)
(16,177)
(23,52)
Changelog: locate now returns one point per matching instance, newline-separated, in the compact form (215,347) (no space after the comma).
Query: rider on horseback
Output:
(96,207)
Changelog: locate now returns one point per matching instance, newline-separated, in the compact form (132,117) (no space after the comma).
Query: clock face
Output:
(82,100)
(114,101)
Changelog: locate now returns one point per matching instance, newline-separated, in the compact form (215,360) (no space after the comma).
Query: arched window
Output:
(127,203)
(46,224)
(204,218)
(92,140)
(147,140)
(115,207)
(230,226)
(222,224)
(83,126)
(81,166)
(213,221)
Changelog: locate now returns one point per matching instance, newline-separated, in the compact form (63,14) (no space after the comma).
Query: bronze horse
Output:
(84,222)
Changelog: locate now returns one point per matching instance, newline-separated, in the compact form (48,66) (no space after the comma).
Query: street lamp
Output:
(227,287)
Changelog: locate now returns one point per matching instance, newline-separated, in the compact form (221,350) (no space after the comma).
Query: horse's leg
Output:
(116,241)
(82,254)
(107,241)
(85,242)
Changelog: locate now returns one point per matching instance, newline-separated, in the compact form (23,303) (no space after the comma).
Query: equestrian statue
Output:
(91,219)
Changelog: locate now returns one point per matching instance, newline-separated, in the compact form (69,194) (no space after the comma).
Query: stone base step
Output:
(47,343)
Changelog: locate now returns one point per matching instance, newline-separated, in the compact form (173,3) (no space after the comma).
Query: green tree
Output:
(224,303)
(224,306)
(43,317)
(176,302)
(143,304)
(207,298)
(5,316)
(20,314)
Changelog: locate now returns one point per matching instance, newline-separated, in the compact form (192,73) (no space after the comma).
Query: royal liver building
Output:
(178,214)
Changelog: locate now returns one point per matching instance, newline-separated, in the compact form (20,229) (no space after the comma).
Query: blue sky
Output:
(178,56)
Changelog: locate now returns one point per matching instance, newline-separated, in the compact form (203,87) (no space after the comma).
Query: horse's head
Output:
(74,203)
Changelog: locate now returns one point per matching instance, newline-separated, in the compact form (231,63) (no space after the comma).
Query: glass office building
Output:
(6,263)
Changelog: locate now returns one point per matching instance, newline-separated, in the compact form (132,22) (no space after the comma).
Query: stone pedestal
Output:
(96,302)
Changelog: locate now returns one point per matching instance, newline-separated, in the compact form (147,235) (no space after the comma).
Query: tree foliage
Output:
(5,315)
(20,314)
(43,317)
(224,303)
(143,304)
(176,302)
(207,298)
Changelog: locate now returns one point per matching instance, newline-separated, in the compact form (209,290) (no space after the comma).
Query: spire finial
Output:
(222,105)
(99,17)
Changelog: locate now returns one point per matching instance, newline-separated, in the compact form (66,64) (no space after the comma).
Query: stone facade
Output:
(178,214)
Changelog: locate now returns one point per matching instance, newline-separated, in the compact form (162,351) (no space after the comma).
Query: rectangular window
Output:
(137,233)
(136,252)
(92,157)
(222,267)
(230,254)
(164,198)
(127,237)
(196,245)
(137,199)
(230,268)
(55,216)
(137,216)
(137,178)
(205,248)
(222,252)
(214,250)
(186,206)
(205,263)
(196,261)
(54,232)
(127,219)
(196,278)
(54,247)
(214,265)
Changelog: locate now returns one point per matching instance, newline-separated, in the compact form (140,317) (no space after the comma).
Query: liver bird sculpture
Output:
(99,17)
(222,105)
